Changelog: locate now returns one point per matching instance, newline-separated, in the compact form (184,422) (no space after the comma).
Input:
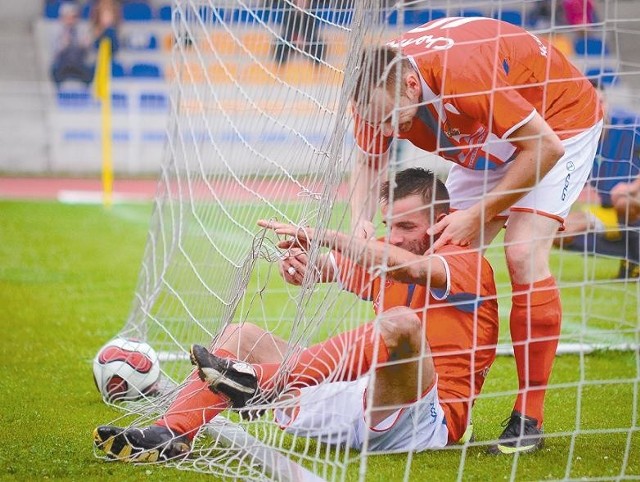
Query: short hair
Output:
(418,181)
(377,67)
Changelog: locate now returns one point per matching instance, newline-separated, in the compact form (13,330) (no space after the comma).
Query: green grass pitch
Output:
(67,278)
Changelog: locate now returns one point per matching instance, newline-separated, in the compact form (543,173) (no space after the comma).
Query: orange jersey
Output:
(461,323)
(481,80)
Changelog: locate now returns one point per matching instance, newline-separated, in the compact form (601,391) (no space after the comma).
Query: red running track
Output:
(87,190)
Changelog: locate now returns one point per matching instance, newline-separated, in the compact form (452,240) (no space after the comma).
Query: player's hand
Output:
(293,266)
(459,228)
(299,237)
(364,229)
(626,200)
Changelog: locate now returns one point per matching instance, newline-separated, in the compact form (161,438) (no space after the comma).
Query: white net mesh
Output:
(261,129)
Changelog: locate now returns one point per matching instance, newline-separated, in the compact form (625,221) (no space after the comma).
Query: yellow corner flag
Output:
(102,91)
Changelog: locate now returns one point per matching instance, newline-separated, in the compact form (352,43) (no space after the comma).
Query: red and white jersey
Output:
(461,322)
(482,79)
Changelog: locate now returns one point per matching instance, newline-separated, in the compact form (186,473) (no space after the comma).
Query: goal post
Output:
(261,128)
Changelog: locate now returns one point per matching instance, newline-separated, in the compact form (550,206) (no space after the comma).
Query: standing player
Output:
(521,124)
(431,345)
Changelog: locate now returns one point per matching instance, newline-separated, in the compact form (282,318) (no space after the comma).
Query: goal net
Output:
(261,128)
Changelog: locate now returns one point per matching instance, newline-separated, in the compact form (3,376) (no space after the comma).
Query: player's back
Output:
(461,56)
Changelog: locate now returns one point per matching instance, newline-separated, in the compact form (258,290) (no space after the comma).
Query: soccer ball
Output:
(126,369)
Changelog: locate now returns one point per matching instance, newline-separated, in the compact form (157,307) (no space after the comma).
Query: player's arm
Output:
(367,175)
(370,254)
(539,149)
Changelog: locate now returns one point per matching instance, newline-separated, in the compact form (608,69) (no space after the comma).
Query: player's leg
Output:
(402,397)
(535,321)
(409,371)
(343,357)
(195,404)
(396,406)
(536,311)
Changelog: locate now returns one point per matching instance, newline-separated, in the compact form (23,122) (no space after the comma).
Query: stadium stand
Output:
(142,71)
(415,16)
(147,70)
(512,16)
(591,46)
(136,12)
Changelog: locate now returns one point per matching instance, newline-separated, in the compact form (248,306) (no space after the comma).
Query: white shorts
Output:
(334,413)
(551,197)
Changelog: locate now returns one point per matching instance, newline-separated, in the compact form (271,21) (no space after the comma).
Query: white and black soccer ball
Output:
(126,369)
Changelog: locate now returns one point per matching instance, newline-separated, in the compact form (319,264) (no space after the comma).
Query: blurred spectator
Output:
(105,18)
(579,12)
(611,227)
(625,197)
(71,48)
(541,14)
(300,30)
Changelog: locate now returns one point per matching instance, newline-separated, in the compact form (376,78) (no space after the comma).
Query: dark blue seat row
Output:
(131,11)
(605,77)
(82,99)
(141,11)
(138,70)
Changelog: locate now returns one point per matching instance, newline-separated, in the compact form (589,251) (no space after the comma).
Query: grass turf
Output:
(67,278)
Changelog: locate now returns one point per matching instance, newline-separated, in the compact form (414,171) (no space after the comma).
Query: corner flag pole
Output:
(102,86)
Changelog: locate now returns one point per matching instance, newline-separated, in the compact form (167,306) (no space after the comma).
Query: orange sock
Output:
(195,404)
(352,353)
(536,314)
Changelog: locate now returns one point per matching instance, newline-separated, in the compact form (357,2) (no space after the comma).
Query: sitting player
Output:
(423,359)
(611,227)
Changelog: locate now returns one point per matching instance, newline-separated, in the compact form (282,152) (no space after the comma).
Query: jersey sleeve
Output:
(485,95)
(467,271)
(369,138)
(352,277)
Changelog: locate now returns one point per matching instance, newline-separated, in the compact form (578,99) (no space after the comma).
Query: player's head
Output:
(68,13)
(388,90)
(410,205)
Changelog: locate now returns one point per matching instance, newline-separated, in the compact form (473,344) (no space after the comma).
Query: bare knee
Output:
(402,331)
(238,339)
(528,262)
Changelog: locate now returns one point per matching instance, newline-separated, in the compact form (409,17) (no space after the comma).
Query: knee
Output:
(402,331)
(238,339)
(527,262)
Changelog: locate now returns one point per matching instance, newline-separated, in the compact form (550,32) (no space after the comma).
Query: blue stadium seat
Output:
(145,70)
(415,17)
(257,15)
(512,16)
(117,70)
(471,13)
(606,76)
(590,46)
(210,15)
(85,13)
(136,12)
(336,17)
(51,10)
(164,13)
(119,100)
(153,101)
(75,99)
